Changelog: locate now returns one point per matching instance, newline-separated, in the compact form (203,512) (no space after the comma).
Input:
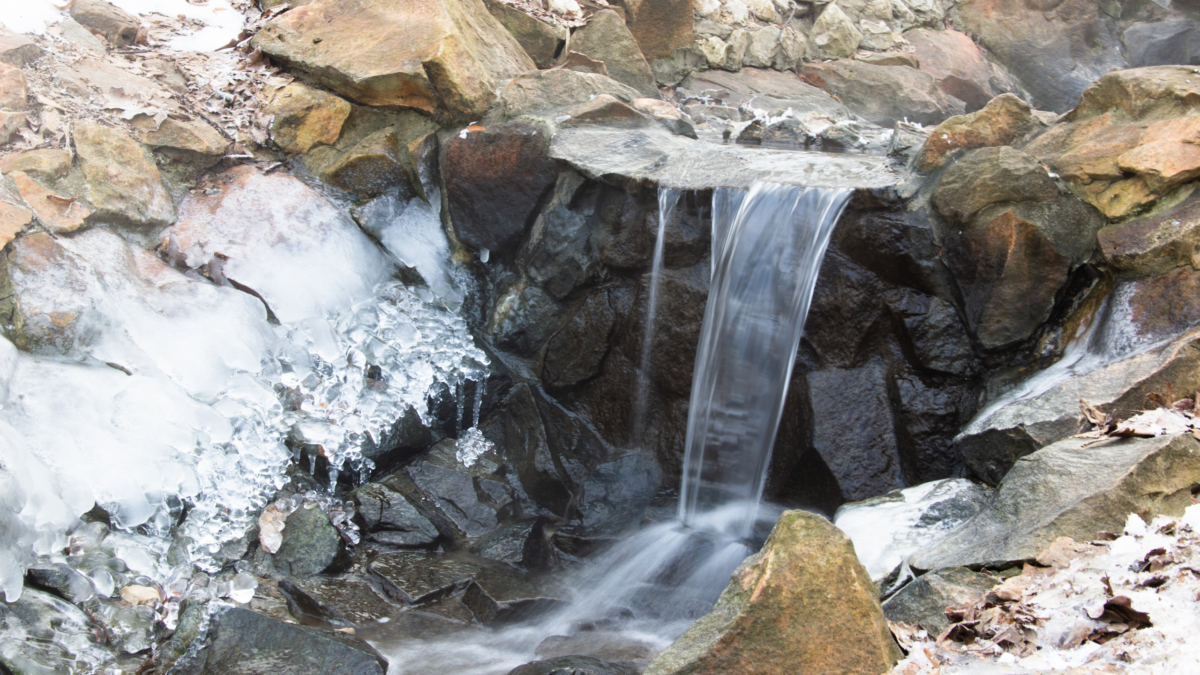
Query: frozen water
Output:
(471,446)
(886,530)
(412,232)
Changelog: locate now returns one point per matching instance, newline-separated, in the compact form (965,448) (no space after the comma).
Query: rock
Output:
(500,594)
(956,62)
(991,176)
(876,36)
(684,61)
(523,319)
(336,602)
(419,578)
(63,580)
(739,41)
(424,55)
(55,635)
(1169,154)
(924,601)
(123,183)
(616,494)
(247,643)
(583,64)
(308,611)
(35,317)
(1069,490)
(572,665)
(119,28)
(474,499)
(890,59)
(507,543)
(190,140)
(899,247)
(10,124)
(13,219)
(373,166)
(494,179)
(660,26)
(791,132)
(47,163)
(558,254)
(603,110)
(763,47)
(1161,43)
(887,529)
(782,614)
(311,544)
(12,87)
(884,95)
(833,33)
(614,647)
(1003,121)
(55,213)
(1010,427)
(1053,55)
(1160,92)
(606,38)
(545,91)
(937,336)
(17,50)
(575,352)
(769,89)
(1156,243)
(390,518)
(540,38)
(304,117)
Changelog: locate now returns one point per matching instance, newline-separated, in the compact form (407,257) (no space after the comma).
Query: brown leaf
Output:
(1120,610)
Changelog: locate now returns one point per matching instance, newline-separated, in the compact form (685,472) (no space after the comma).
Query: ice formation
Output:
(169,391)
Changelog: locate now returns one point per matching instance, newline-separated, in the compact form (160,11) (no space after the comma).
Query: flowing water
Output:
(668,199)
(768,243)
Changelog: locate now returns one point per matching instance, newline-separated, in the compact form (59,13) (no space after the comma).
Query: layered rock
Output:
(123,182)
(884,95)
(606,38)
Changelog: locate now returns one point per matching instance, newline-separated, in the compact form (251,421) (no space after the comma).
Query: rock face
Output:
(802,604)
(884,95)
(606,38)
(957,64)
(1068,490)
(428,55)
(1156,243)
(246,643)
(123,183)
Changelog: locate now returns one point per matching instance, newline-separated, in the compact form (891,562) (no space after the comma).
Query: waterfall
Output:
(668,199)
(767,244)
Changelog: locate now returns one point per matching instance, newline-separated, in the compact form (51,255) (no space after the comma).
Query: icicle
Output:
(458,400)
(480,386)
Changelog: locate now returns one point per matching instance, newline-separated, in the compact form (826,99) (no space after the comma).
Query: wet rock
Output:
(184,140)
(1157,243)
(528,451)
(55,636)
(371,167)
(898,247)
(575,352)
(1068,490)
(549,90)
(119,28)
(887,529)
(304,117)
(419,578)
(13,219)
(558,254)
(787,132)
(311,544)
(933,328)
(17,50)
(494,180)
(1161,43)
(123,183)
(506,543)
(751,134)
(991,176)
(846,304)
(666,113)
(956,62)
(61,579)
(929,411)
(340,601)
(1003,121)
(572,665)
(924,601)
(373,54)
(540,38)
(616,494)
(606,38)
(774,617)
(390,518)
(56,213)
(884,95)
(500,594)
(192,622)
(1160,92)
(36,317)
(13,90)
(47,162)
(1053,55)
(474,498)
(678,316)
(246,643)
(613,647)
(833,33)
(523,319)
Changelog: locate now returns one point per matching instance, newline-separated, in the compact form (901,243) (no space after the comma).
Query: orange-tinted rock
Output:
(1158,92)
(956,62)
(660,26)
(371,167)
(1003,121)
(1085,151)
(304,117)
(1155,243)
(12,88)
(45,162)
(604,109)
(1169,154)
(803,604)
(57,214)
(36,314)
(991,176)
(123,183)
(184,139)
(13,219)
(1120,199)
(431,55)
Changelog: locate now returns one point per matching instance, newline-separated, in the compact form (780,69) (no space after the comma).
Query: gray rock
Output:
(616,494)
(614,647)
(1069,490)
(500,594)
(247,643)
(606,38)
(523,319)
(788,132)
(17,50)
(575,352)
(310,545)
(118,27)
(1163,43)
(683,61)
(545,91)
(55,636)
(769,89)
(350,600)
(558,253)
(308,610)
(924,601)
(61,579)
(474,499)
(390,518)
(572,665)
(418,578)
(541,39)
(937,335)
(885,95)
(505,544)
(834,34)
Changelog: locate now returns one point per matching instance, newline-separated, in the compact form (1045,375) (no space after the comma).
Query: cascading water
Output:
(768,245)
(668,199)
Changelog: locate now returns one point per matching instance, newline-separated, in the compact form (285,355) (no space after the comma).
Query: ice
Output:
(886,530)
(471,446)
(413,233)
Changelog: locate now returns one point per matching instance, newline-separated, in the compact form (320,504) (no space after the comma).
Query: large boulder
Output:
(767,89)
(1055,54)
(1142,94)
(1156,243)
(606,38)
(247,643)
(802,604)
(542,38)
(924,601)
(430,55)
(834,34)
(311,544)
(16,49)
(1160,43)
(1003,121)
(1073,488)
(104,18)
(884,95)
(955,60)
(545,92)
(303,117)
(123,183)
